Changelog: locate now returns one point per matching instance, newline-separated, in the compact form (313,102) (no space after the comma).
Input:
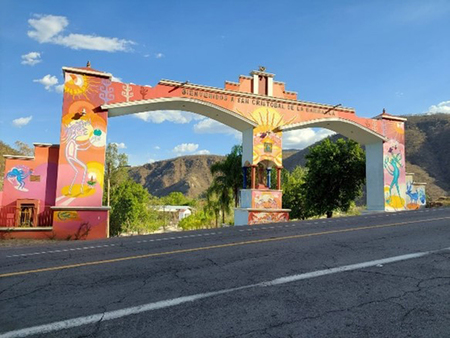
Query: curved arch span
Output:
(210,110)
(348,128)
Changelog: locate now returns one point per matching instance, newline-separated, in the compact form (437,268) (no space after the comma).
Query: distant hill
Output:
(190,175)
(428,147)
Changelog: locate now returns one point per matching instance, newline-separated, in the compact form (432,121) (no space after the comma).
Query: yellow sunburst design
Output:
(78,85)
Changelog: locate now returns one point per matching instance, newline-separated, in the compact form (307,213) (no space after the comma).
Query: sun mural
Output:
(267,143)
(78,85)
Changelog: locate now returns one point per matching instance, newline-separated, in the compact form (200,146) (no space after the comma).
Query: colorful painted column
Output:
(79,211)
(260,204)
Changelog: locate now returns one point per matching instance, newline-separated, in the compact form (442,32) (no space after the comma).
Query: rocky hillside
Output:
(190,175)
(428,151)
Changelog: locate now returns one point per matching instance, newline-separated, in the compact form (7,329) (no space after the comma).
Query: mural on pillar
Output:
(266,142)
(415,196)
(260,217)
(394,166)
(266,199)
(83,141)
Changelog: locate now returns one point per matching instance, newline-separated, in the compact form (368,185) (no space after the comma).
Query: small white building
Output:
(183,211)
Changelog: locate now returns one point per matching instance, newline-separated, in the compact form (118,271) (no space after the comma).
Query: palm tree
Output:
(224,196)
(213,205)
(228,173)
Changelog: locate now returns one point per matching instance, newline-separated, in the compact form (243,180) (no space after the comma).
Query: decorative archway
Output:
(258,106)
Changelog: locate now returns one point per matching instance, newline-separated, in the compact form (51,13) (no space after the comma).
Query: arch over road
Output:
(348,128)
(207,109)
(257,105)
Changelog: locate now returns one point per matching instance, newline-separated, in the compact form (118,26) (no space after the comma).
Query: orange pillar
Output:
(253,177)
(279,177)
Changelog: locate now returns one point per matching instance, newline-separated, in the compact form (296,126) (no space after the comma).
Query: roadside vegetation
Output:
(330,182)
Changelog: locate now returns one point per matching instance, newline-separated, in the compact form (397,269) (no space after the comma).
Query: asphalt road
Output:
(383,275)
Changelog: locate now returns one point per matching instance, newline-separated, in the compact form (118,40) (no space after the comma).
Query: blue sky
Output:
(363,54)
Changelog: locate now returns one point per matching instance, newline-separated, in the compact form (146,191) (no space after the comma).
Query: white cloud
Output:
(443,107)
(46,27)
(49,28)
(150,160)
(203,152)
(31,58)
(157,147)
(22,121)
(59,88)
(174,116)
(209,126)
(48,81)
(185,148)
(120,145)
(302,138)
(159,55)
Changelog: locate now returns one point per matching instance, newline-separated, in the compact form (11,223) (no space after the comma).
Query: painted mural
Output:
(394,175)
(267,144)
(17,175)
(415,196)
(80,224)
(83,140)
(266,199)
(267,217)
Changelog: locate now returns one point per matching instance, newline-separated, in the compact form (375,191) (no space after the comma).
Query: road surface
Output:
(382,275)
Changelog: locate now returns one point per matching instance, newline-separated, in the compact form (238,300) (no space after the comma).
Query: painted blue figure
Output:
(422,196)
(414,196)
(393,166)
(19,174)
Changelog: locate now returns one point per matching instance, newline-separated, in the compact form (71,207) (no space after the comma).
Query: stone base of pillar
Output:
(260,206)
(75,223)
(260,216)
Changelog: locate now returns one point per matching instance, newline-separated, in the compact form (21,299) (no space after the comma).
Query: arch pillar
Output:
(78,211)
(260,204)
(375,176)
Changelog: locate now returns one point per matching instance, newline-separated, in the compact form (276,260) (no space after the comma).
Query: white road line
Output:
(110,315)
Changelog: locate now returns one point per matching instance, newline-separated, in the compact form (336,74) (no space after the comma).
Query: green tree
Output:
(213,205)
(293,192)
(228,173)
(198,220)
(116,169)
(130,209)
(224,195)
(177,198)
(24,148)
(335,176)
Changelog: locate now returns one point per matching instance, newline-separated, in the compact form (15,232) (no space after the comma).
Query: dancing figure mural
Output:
(76,129)
(17,176)
(392,165)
